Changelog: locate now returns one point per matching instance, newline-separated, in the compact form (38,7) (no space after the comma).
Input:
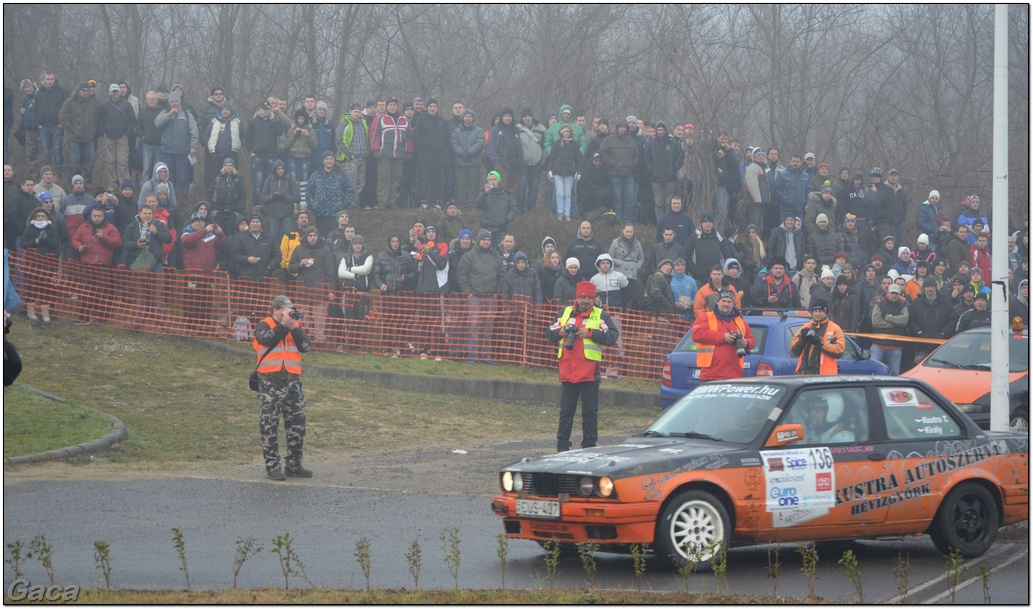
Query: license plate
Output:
(538,509)
(695,374)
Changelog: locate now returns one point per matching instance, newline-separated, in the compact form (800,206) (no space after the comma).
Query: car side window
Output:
(831,416)
(912,415)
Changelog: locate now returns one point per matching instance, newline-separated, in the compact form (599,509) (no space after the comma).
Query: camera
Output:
(295,314)
(811,336)
(570,331)
(740,344)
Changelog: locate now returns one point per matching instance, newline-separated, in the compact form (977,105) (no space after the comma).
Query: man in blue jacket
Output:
(794,185)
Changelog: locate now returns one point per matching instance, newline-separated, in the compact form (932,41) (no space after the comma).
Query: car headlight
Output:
(969,408)
(605,486)
(518,482)
(507,481)
(585,486)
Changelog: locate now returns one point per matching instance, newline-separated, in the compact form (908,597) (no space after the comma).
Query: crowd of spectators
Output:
(778,236)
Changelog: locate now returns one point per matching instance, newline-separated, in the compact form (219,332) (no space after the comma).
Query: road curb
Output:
(116,435)
(502,389)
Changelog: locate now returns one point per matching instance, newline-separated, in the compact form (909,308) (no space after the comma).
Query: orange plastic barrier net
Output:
(458,327)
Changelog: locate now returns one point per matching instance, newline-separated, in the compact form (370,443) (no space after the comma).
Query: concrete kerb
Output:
(501,389)
(116,435)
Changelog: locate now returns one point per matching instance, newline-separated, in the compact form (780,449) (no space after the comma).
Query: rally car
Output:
(781,459)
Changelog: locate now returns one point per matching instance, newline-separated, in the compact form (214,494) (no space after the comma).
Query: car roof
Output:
(817,379)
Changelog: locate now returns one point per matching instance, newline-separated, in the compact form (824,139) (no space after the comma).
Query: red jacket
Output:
(99,250)
(726,364)
(199,254)
(980,258)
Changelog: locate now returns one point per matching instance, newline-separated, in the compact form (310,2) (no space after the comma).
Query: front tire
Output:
(967,521)
(695,519)
(1020,421)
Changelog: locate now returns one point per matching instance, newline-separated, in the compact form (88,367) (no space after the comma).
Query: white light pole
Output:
(999,322)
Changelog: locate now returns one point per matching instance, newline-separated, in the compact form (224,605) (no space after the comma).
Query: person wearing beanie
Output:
(820,202)
(932,316)
(467,144)
(562,167)
(581,332)
(822,290)
(505,151)
(820,177)
(521,282)
(355,272)
(179,141)
(819,343)
(822,241)
(565,287)
(845,305)
(480,275)
(976,317)
(432,143)
(620,156)
(531,135)
(721,334)
(498,207)
(451,223)
(930,213)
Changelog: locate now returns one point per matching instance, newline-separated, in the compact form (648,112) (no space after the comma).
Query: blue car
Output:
(774,332)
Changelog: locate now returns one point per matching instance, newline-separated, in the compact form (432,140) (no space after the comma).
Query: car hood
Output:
(635,456)
(958,386)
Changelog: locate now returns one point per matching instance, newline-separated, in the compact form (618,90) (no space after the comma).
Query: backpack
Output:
(242,330)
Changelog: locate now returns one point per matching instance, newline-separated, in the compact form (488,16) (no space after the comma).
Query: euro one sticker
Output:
(799,484)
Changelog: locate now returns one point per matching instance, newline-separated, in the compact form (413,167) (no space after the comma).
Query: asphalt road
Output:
(136,518)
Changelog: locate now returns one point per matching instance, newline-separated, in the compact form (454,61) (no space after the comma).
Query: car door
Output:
(922,445)
(804,479)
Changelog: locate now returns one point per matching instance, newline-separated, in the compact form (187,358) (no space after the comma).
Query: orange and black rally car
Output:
(783,459)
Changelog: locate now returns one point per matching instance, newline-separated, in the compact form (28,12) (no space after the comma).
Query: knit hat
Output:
(902,249)
(358,239)
(161,188)
(826,272)
(175,96)
(757,152)
(821,218)
(526,112)
(826,187)
(889,238)
(467,233)
(322,105)
(572,262)
(929,281)
(77,178)
(417,100)
(678,261)
(483,234)
(585,288)
(496,174)
(431,227)
(196,217)
(664,261)
(982,296)
(506,110)
(875,172)
(228,161)
(842,280)
(44,169)
(820,305)
(470,112)
(328,153)
(548,239)
(431,100)
(726,294)
(823,164)
(127,184)
(630,119)
(934,193)
(923,238)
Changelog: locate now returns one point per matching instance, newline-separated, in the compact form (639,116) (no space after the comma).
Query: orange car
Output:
(960,370)
(783,459)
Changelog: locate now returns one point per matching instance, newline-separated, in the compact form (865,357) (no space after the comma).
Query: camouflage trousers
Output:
(286,398)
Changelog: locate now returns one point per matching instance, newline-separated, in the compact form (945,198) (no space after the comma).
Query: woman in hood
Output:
(549,270)
(43,241)
(393,269)
(280,199)
(300,143)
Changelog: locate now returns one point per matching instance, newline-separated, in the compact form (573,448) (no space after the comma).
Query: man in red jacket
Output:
(200,239)
(722,339)
(97,242)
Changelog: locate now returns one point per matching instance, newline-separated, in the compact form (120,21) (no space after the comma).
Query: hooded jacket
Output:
(322,270)
(152,185)
(393,268)
(355,270)
(299,145)
(504,148)
(553,133)
(227,192)
(816,204)
(664,157)
(280,194)
(620,155)
(609,287)
(522,285)
(532,142)
(46,240)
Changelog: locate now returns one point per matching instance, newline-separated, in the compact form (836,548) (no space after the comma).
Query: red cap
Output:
(585,288)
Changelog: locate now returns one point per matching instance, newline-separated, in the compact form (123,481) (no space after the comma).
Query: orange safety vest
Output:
(827,365)
(705,353)
(283,356)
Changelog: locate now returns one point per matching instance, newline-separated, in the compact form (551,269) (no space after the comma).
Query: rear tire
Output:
(698,519)
(967,521)
(1020,421)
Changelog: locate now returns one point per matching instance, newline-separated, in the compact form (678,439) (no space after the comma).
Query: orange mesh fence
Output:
(460,327)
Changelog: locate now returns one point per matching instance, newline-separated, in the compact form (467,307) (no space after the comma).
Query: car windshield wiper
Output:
(979,367)
(949,364)
(653,434)
(694,434)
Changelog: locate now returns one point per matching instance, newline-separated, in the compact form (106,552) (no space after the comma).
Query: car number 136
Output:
(821,457)
(538,509)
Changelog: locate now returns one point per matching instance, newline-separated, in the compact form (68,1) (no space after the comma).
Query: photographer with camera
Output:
(581,331)
(819,343)
(723,338)
(279,342)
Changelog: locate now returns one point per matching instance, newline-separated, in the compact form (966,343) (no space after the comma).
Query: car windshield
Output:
(760,333)
(971,351)
(730,412)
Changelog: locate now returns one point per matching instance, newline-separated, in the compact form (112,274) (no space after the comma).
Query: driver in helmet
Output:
(823,424)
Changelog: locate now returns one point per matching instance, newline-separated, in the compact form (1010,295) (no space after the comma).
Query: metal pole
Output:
(999,357)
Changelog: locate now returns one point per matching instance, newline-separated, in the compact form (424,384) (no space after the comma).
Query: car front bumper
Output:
(603,522)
